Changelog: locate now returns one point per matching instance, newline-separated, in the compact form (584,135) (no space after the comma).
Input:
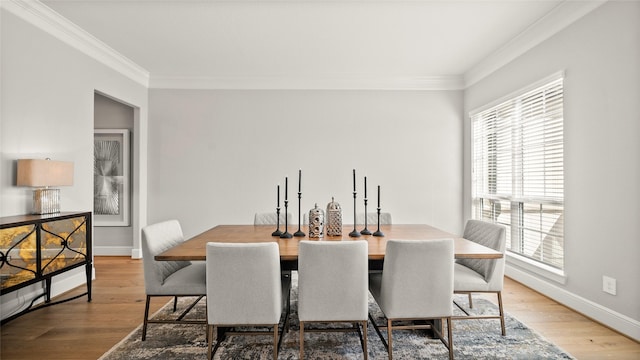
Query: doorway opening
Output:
(114,128)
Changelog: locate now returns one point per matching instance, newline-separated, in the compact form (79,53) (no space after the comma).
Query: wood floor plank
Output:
(80,330)
(575,333)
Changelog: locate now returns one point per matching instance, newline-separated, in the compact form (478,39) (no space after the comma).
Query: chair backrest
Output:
(157,238)
(492,236)
(332,280)
(417,278)
(243,283)
(372,218)
(271,218)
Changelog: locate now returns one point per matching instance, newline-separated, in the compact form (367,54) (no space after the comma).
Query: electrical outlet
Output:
(609,285)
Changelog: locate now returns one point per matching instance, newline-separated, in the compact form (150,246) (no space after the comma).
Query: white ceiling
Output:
(306,39)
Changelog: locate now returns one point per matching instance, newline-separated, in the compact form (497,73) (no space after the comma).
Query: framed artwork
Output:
(111,178)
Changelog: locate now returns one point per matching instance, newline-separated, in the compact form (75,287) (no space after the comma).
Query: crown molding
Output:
(563,15)
(308,83)
(44,18)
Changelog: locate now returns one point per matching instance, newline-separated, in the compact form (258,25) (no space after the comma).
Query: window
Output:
(518,170)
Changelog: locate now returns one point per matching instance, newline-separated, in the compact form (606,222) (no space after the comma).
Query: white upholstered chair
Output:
(372,218)
(245,288)
(416,283)
(482,275)
(271,219)
(169,278)
(332,286)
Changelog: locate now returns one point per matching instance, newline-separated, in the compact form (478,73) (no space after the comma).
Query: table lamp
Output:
(42,174)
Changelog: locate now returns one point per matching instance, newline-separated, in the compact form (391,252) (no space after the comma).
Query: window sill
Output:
(535,267)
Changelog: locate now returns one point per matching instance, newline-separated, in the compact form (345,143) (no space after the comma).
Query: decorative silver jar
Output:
(316,222)
(334,219)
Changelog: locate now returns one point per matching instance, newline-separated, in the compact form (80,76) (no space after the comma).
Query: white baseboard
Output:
(112,250)
(619,322)
(19,300)
(136,253)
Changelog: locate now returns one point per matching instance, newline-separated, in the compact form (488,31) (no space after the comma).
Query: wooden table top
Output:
(195,248)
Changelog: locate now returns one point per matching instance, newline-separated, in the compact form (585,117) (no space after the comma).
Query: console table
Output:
(35,248)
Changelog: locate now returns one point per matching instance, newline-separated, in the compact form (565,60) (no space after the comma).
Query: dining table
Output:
(194,249)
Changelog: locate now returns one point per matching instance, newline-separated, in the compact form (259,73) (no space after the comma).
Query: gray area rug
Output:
(472,339)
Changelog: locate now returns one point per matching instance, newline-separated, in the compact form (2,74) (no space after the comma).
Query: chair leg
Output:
(146,319)
(390,349)
(470,302)
(209,341)
(275,342)
(301,340)
(219,337)
(450,338)
(504,332)
(175,303)
(365,350)
(206,316)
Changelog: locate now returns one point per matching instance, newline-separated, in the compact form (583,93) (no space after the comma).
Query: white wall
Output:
(601,55)
(47,111)
(217,156)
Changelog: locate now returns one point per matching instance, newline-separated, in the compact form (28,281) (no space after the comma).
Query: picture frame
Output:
(111,177)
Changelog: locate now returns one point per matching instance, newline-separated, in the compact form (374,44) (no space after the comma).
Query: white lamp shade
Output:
(40,173)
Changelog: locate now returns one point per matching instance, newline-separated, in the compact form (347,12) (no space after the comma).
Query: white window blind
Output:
(518,171)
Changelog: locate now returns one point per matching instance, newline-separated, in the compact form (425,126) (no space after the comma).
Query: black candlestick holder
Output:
(365,231)
(355,232)
(286,234)
(299,233)
(277,232)
(378,232)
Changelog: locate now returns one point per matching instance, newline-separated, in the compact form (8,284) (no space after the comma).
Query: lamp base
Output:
(46,201)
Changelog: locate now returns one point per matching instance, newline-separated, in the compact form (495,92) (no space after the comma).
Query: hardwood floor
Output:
(573,332)
(82,330)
